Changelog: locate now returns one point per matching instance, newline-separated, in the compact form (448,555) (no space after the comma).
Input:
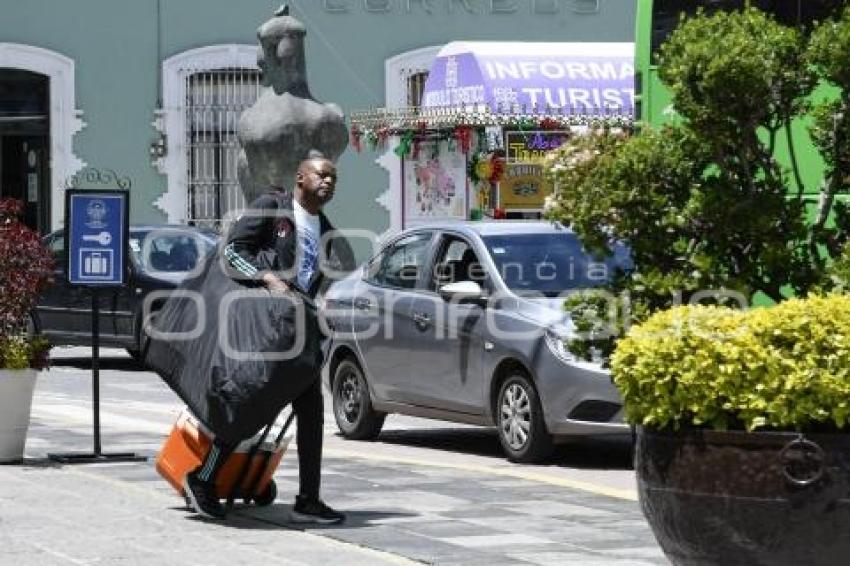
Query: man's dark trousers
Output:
(309,408)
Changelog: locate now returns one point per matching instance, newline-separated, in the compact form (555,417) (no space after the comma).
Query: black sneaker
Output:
(202,497)
(314,511)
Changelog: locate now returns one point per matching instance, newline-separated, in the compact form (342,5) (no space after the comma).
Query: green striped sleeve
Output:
(239,263)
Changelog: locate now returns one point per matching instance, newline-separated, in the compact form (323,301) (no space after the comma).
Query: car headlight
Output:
(556,340)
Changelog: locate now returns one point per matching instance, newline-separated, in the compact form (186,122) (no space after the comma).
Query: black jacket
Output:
(265,237)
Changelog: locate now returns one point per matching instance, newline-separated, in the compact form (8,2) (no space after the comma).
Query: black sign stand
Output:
(96,456)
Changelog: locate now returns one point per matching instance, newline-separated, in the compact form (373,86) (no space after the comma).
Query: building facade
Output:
(145,95)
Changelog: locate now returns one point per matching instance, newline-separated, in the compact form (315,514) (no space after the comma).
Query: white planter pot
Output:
(16,390)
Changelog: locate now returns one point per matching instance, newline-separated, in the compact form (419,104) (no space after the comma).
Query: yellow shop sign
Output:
(523,187)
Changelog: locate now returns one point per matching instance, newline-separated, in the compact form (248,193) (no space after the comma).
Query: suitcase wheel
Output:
(266,497)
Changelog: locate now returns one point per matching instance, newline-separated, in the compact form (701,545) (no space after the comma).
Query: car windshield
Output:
(552,263)
(170,250)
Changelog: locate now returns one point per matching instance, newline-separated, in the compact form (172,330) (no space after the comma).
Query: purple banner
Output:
(575,83)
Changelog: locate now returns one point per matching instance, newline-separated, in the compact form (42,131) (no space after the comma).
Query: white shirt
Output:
(309,231)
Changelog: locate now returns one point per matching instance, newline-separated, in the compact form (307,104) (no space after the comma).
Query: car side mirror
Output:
(464,292)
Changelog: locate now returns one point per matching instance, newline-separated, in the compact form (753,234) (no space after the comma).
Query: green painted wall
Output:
(114,46)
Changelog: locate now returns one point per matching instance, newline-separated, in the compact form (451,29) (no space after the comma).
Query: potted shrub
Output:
(742,453)
(25,267)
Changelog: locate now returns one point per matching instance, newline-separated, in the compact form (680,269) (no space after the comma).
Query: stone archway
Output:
(25,144)
(397,70)
(64,118)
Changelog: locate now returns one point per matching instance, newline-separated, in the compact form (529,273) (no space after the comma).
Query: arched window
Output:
(416,88)
(214,101)
(205,91)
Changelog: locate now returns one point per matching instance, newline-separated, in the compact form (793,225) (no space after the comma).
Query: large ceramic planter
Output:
(737,498)
(16,389)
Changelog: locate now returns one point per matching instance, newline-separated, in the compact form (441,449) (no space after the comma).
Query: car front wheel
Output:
(522,430)
(353,411)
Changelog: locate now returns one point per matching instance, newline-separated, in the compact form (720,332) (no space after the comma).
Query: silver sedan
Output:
(464,322)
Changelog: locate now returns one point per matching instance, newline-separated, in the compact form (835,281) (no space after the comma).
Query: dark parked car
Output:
(161,256)
(465,322)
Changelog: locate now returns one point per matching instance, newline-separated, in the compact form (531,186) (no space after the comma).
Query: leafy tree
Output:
(829,55)
(703,203)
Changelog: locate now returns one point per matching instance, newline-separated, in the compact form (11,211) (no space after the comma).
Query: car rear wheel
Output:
(142,338)
(522,430)
(353,411)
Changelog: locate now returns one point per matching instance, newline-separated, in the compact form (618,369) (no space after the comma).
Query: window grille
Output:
(416,88)
(214,101)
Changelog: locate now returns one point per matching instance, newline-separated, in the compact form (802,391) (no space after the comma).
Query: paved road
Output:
(425,491)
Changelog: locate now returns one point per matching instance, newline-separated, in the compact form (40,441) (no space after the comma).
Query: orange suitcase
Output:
(188,444)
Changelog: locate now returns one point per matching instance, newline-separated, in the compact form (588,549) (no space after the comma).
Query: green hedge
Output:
(784,367)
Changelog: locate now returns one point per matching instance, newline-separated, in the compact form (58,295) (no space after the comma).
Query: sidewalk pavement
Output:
(115,514)
(124,514)
(399,512)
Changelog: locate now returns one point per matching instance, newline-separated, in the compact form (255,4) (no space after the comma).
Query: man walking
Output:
(267,248)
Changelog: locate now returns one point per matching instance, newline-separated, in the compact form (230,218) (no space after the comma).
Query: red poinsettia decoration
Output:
(549,124)
(356,139)
(463,135)
(497,167)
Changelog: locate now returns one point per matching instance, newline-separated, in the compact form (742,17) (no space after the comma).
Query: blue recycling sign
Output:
(97,225)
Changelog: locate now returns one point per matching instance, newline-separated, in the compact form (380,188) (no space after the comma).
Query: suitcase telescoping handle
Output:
(267,456)
(261,469)
(285,428)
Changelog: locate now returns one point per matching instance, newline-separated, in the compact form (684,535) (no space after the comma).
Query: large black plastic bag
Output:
(233,396)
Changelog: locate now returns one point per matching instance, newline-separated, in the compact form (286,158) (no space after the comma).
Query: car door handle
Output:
(362,304)
(422,320)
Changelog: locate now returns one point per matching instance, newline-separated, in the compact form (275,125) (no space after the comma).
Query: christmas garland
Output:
(459,128)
